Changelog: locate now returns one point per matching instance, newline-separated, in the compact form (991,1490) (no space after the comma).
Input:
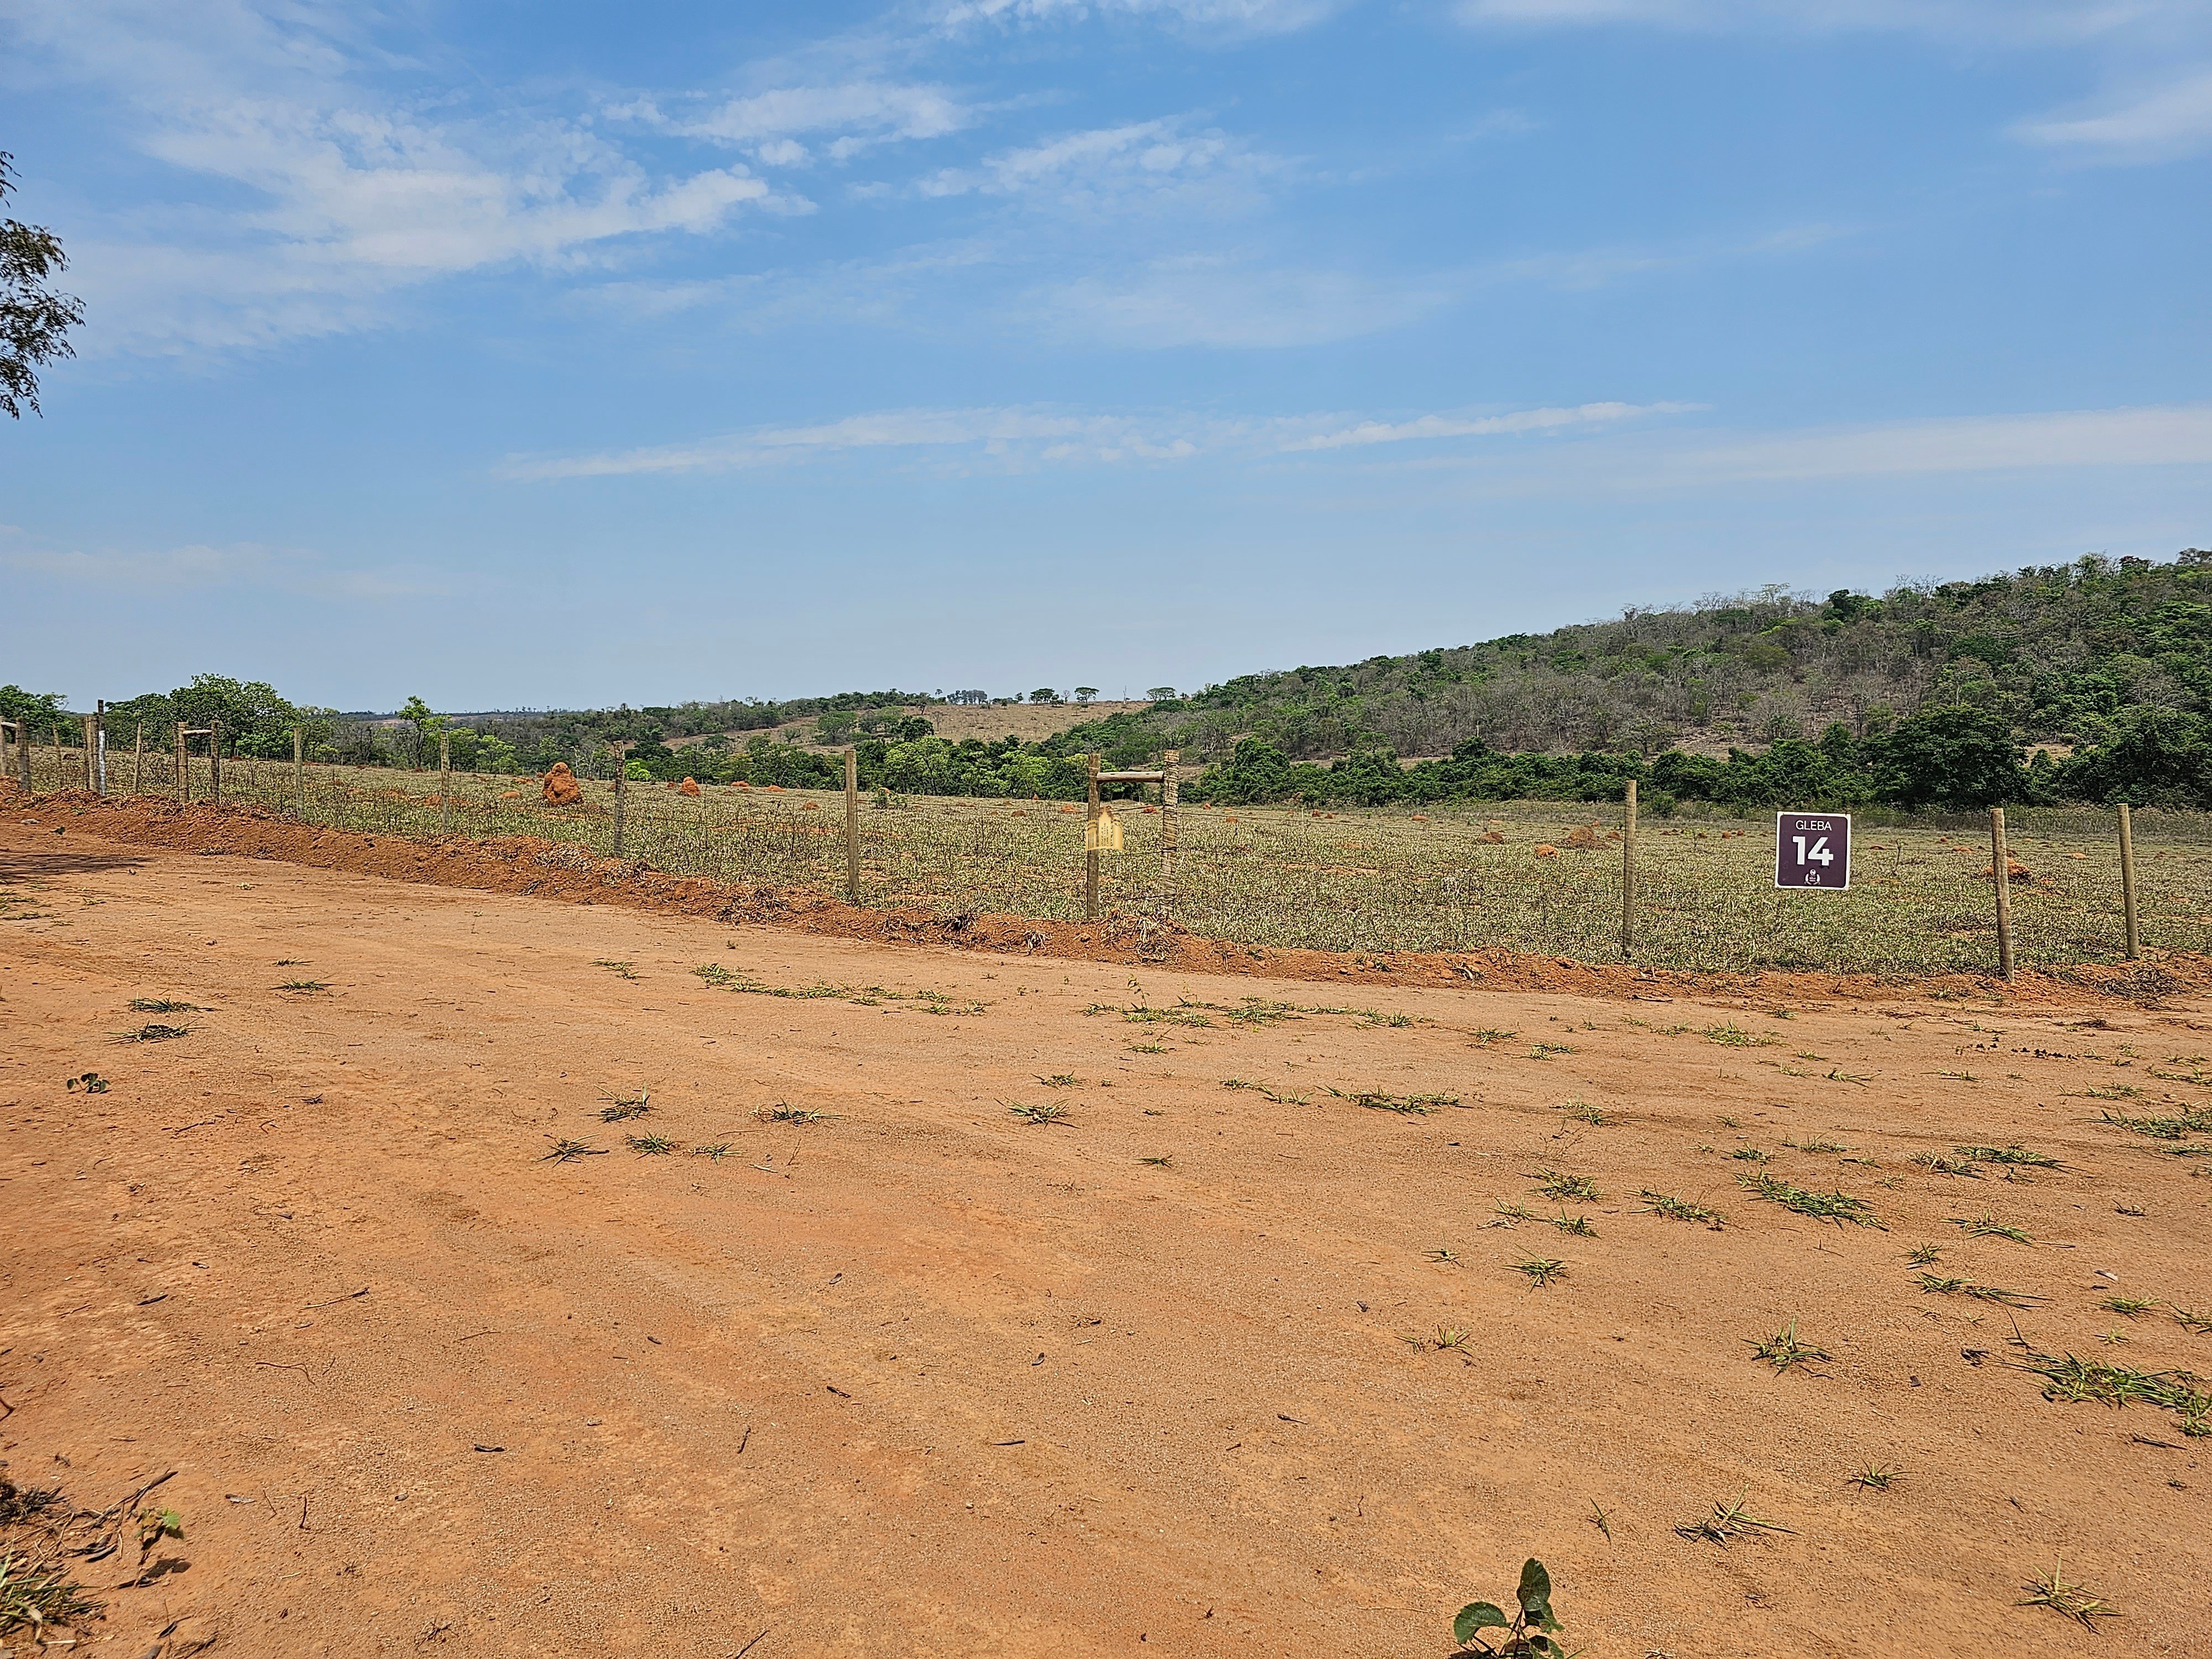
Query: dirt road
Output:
(924,1376)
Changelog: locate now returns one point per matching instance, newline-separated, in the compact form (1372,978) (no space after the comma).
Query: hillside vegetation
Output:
(1931,694)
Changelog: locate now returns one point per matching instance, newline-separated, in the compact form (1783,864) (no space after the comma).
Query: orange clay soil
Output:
(924,1377)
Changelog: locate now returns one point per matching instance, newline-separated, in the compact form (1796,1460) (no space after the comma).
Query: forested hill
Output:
(1932,694)
(2059,651)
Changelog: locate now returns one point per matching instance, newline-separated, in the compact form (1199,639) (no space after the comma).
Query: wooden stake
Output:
(2000,866)
(1628,874)
(184,777)
(853,825)
(1091,846)
(445,782)
(1168,819)
(2127,883)
(299,773)
(138,760)
(622,766)
(215,761)
(91,762)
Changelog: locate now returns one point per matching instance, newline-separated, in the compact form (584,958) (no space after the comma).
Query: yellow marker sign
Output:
(1103,833)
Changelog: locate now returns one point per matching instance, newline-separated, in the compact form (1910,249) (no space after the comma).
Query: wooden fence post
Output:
(2000,867)
(1091,846)
(184,776)
(445,782)
(91,761)
(853,826)
(1168,819)
(299,774)
(2127,883)
(1628,875)
(138,760)
(621,767)
(215,761)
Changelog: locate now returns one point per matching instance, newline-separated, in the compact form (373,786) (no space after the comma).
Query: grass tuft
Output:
(651,1145)
(1541,1270)
(1873,1477)
(1052,1111)
(1836,1206)
(1557,1184)
(1681,1209)
(2052,1591)
(1784,1350)
(1986,1226)
(1938,1286)
(1728,1521)
(565,1150)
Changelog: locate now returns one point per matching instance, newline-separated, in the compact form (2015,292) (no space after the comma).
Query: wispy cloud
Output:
(1229,18)
(1104,165)
(2162,435)
(198,565)
(2154,124)
(855,114)
(2001,21)
(325,197)
(1019,438)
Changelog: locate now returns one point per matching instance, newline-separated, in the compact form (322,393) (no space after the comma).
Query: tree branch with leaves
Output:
(34,318)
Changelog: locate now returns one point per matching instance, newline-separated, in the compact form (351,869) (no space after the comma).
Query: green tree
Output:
(427,725)
(1044,694)
(34,319)
(40,709)
(1085,693)
(1957,758)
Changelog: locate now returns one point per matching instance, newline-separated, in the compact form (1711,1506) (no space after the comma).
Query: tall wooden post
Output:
(445,782)
(1091,846)
(2127,883)
(853,826)
(1168,819)
(2000,867)
(91,758)
(299,773)
(1628,874)
(621,767)
(138,760)
(184,776)
(98,750)
(215,761)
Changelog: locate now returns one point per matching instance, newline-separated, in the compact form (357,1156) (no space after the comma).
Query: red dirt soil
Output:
(922,1376)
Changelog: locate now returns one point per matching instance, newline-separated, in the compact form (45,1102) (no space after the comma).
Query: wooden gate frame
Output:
(1165,777)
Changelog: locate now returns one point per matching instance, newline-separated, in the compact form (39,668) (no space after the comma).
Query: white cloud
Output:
(1104,165)
(1222,17)
(1019,438)
(2003,22)
(198,565)
(858,112)
(1431,427)
(325,197)
(2152,125)
(2170,435)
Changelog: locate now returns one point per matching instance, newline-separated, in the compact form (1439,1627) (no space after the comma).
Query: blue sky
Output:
(555,354)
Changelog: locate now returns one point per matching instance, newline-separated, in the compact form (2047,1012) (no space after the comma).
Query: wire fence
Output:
(1459,879)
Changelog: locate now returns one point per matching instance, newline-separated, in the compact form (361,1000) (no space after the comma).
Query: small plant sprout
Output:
(303,985)
(154,1033)
(563,1150)
(1873,1477)
(1924,1255)
(623,1108)
(1751,1155)
(1579,1225)
(1600,1520)
(781,1113)
(1509,1215)
(1937,1285)
(1487,1035)
(619,969)
(91,1082)
(1986,1226)
(1453,1338)
(155,1525)
(1541,1270)
(650,1145)
(2132,1306)
(1729,1122)
(1583,1112)
(1557,1184)
(2015,1156)
(2190,1319)
(1058,1080)
(1836,1206)
(1728,1521)
(717,1150)
(164,1005)
(1681,1209)
(1443,1253)
(2052,1591)
(1783,1350)
(1936,1163)
(1526,1634)
(1051,1112)
(1164,1161)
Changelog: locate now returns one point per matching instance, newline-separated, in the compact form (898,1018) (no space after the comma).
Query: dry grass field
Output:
(1921,901)
(495,1274)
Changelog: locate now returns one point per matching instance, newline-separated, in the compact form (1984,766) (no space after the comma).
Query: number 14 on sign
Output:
(1813,849)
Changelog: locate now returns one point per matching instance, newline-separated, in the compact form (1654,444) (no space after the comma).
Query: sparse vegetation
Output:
(2053,1590)
(780,1113)
(1727,1521)
(1527,1633)
(163,1005)
(1784,1350)
(1836,1206)
(151,1033)
(1987,1226)
(619,969)
(564,1150)
(650,1145)
(1873,1477)
(1939,1285)
(1052,1111)
(1541,1270)
(1559,1184)
(1681,1209)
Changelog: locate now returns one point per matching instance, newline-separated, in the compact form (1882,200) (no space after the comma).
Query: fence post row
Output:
(852,826)
(2000,867)
(622,766)
(1628,874)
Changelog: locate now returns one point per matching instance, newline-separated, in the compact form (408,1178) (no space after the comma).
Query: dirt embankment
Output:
(530,866)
